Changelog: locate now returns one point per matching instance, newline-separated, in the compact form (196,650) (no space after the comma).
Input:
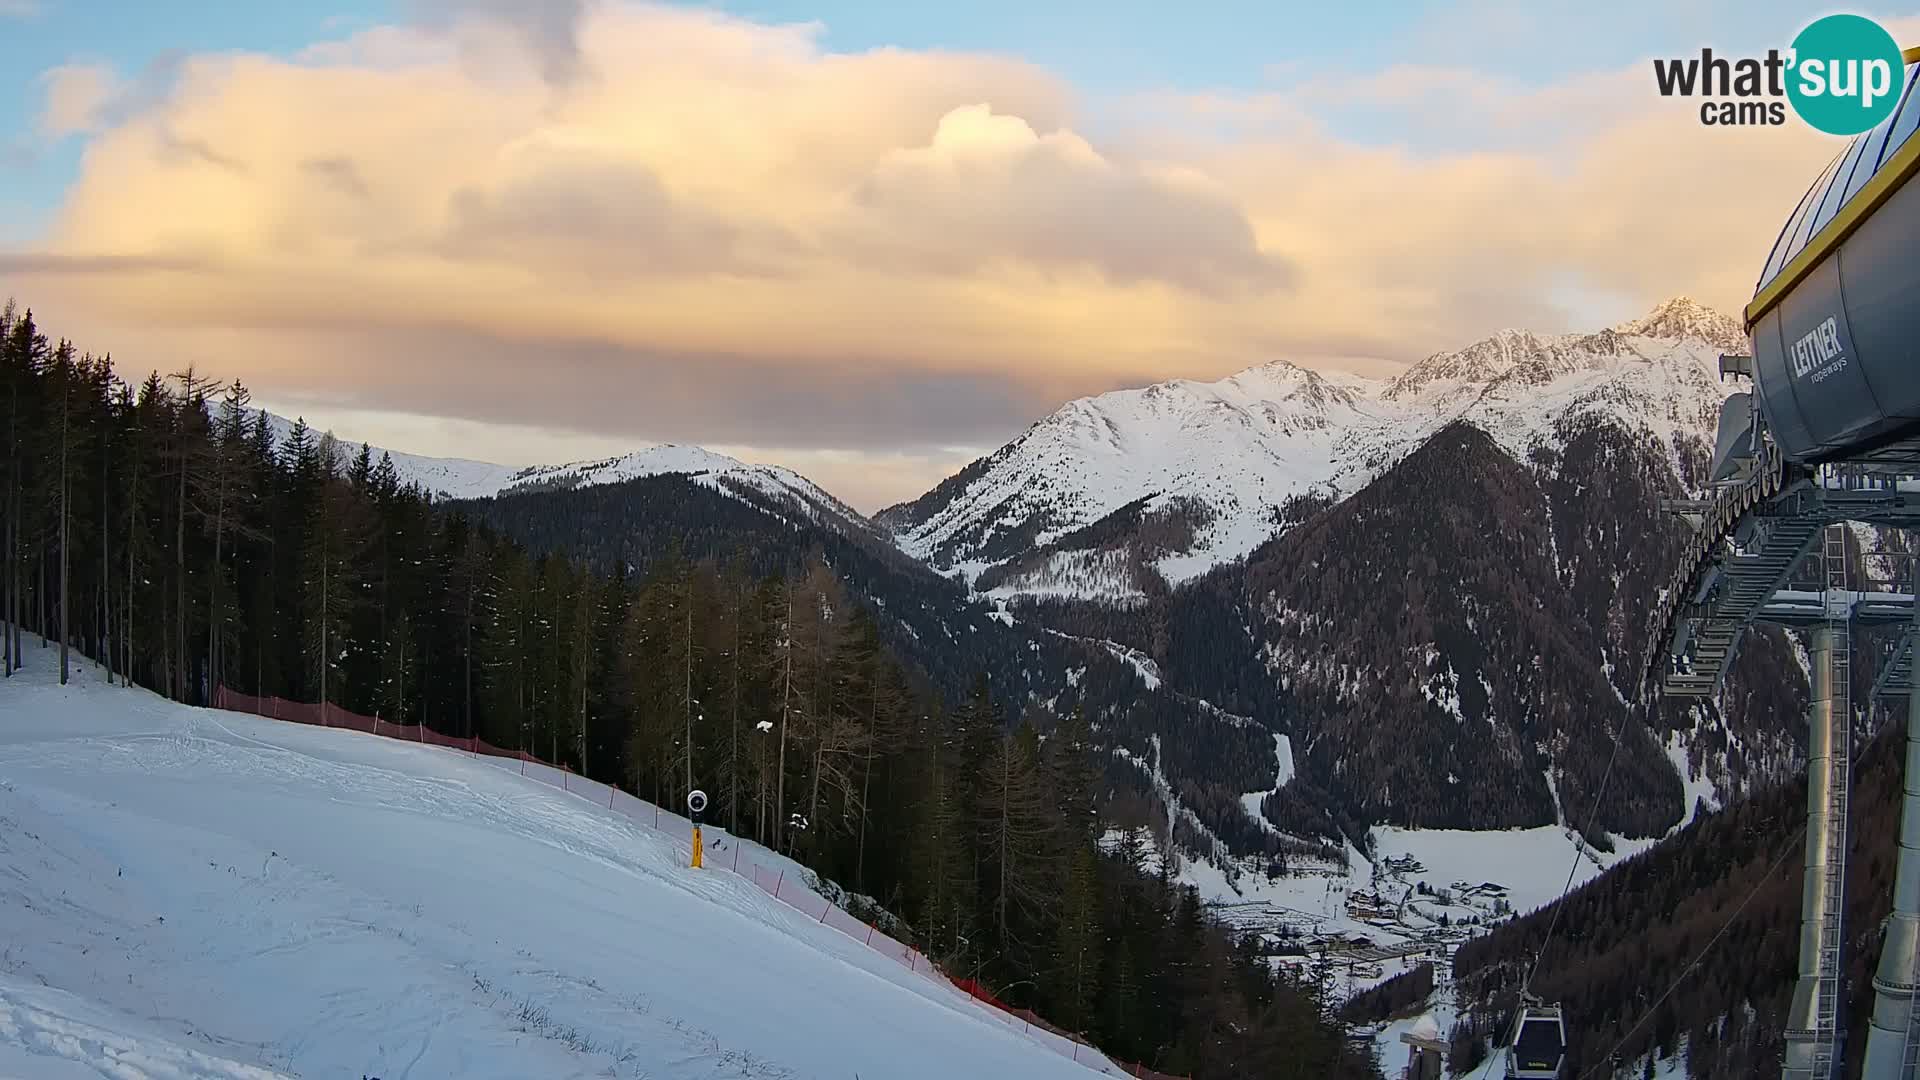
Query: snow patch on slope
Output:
(1697,788)
(1283,757)
(1104,575)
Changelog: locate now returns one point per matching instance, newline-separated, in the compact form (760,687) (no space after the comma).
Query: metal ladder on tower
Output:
(1910,1050)
(1840,686)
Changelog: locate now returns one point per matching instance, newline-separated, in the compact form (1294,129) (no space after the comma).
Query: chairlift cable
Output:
(1553,923)
(1593,815)
(1778,860)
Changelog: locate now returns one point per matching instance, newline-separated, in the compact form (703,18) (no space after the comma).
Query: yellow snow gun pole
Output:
(696,805)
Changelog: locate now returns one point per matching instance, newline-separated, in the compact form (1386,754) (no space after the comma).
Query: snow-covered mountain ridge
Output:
(772,486)
(1217,463)
(446,478)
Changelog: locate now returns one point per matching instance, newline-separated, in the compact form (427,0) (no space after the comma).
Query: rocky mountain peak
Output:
(1683,318)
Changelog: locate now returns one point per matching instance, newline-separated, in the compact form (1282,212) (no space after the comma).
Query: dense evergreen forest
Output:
(161,532)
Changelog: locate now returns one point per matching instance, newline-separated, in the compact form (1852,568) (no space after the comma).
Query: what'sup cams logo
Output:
(1843,75)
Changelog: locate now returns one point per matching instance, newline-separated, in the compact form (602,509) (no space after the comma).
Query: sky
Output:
(869,241)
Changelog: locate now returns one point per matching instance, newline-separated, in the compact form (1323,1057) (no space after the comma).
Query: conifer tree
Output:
(189,455)
(1077,951)
(334,576)
(63,375)
(1018,832)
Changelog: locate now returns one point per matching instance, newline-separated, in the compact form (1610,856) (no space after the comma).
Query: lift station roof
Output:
(1834,319)
(1841,181)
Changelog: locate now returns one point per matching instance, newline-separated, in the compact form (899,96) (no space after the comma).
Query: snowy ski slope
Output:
(190,893)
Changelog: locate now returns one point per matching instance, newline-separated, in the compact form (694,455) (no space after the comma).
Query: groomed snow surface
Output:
(190,893)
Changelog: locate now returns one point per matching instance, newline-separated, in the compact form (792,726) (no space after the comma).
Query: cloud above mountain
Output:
(674,224)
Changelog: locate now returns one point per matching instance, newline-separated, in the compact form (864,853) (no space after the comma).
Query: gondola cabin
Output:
(1538,1050)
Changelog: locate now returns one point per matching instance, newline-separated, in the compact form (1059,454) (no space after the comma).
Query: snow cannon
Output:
(1834,323)
(696,806)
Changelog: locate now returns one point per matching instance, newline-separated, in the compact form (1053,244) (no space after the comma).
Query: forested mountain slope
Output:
(1451,645)
(1176,746)
(1625,938)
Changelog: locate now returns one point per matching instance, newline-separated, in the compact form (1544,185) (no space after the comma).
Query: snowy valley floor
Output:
(188,893)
